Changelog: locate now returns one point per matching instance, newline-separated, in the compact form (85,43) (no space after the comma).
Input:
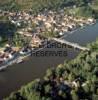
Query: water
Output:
(84,35)
(20,74)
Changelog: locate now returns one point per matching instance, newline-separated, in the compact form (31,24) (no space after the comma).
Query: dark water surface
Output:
(20,74)
(85,35)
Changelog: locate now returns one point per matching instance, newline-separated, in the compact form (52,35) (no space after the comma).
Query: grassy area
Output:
(4,1)
(95,7)
(3,18)
(84,11)
(34,4)
(24,4)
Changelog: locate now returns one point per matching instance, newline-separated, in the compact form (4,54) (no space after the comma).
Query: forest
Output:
(85,7)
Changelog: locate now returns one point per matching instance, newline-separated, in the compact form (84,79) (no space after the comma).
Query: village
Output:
(39,28)
(49,21)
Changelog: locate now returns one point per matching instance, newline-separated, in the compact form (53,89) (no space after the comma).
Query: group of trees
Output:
(73,80)
(19,40)
(7,30)
(10,5)
(41,5)
(84,11)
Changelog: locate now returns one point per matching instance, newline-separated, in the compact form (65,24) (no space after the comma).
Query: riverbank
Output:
(20,58)
(66,80)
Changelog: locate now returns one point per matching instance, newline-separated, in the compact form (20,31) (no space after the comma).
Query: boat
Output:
(19,61)
(3,68)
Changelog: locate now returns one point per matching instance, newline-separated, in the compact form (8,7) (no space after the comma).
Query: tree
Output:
(49,72)
(95,97)
(74,95)
(86,88)
(47,89)
(59,70)
(62,94)
(71,77)
(79,2)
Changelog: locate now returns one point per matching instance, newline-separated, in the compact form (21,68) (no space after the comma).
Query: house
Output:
(36,41)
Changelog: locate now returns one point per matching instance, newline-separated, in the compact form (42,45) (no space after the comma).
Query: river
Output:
(20,74)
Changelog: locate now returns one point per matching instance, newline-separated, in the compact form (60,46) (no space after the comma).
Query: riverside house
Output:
(36,41)
(7,54)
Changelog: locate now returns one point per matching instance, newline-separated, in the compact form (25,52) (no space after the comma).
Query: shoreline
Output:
(20,58)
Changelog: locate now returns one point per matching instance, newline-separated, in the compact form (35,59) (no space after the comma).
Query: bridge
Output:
(75,45)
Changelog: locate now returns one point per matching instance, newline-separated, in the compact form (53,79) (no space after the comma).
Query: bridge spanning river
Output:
(75,45)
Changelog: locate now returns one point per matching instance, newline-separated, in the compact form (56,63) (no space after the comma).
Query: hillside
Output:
(26,4)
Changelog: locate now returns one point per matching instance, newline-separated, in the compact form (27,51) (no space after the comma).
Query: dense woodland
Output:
(73,80)
(7,30)
(40,4)
(88,7)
